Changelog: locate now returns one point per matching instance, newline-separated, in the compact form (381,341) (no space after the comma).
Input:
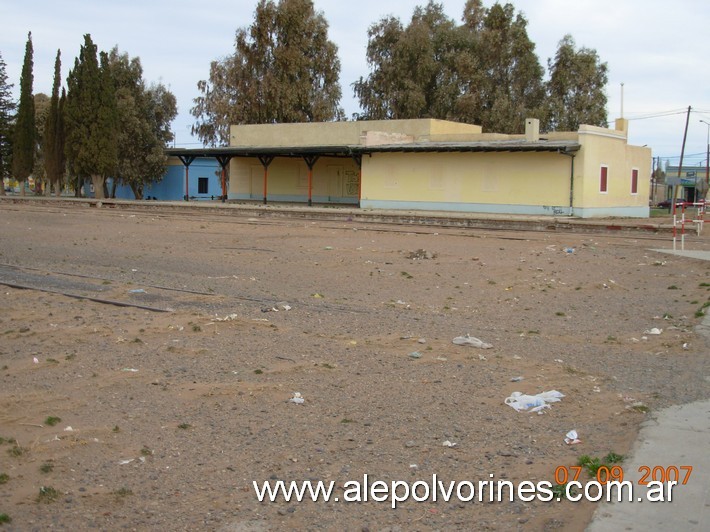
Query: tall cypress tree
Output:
(7,108)
(54,133)
(91,118)
(24,142)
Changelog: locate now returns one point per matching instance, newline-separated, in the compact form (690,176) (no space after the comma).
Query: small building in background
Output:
(691,183)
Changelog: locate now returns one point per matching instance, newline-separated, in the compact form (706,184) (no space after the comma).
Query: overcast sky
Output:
(658,49)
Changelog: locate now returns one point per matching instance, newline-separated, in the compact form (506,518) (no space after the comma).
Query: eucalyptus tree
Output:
(283,69)
(144,116)
(576,88)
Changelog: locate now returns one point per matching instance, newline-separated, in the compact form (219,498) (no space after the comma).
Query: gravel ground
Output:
(173,403)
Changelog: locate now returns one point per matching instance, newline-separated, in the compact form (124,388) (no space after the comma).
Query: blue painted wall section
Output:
(172,186)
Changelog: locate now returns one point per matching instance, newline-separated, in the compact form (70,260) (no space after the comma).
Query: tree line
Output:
(482,71)
(106,122)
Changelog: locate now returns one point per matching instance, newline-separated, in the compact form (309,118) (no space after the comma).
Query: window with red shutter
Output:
(603,184)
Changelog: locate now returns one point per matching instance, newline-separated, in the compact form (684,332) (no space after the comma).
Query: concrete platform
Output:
(511,222)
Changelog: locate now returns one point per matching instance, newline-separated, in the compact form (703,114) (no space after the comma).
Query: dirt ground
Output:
(166,418)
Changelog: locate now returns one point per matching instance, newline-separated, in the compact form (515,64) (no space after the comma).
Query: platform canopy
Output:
(354,150)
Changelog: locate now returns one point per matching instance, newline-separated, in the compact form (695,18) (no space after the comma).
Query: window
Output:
(603,180)
(634,181)
(202,185)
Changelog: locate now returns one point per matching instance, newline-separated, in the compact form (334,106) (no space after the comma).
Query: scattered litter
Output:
(124,462)
(441,359)
(35,360)
(597,389)
(447,443)
(413,466)
(317,296)
(481,357)
(421,341)
(421,254)
(415,354)
(281,306)
(472,341)
(130,370)
(400,302)
(686,345)
(297,398)
(559,361)
(328,248)
(516,379)
(68,429)
(569,250)
(572,438)
(228,317)
(533,403)
(137,291)
(655,330)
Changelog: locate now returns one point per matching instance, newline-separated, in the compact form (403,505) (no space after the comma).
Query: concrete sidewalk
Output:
(677,436)
(693,254)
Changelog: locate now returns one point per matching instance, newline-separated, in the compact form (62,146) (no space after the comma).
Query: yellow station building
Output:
(438,165)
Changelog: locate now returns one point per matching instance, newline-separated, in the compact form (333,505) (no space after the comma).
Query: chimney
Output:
(532,129)
(622,124)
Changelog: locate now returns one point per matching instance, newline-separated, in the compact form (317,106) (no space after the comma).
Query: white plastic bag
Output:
(472,341)
(533,403)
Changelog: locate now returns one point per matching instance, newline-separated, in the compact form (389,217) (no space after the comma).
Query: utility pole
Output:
(682,152)
(707,156)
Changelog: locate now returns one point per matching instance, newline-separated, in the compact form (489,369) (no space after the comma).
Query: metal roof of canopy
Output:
(352,150)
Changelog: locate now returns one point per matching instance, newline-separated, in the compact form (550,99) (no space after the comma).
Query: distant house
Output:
(438,165)
(692,182)
(204,182)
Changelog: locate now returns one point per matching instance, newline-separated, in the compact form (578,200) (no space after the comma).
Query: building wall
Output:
(608,148)
(334,180)
(508,182)
(496,182)
(172,186)
(342,133)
